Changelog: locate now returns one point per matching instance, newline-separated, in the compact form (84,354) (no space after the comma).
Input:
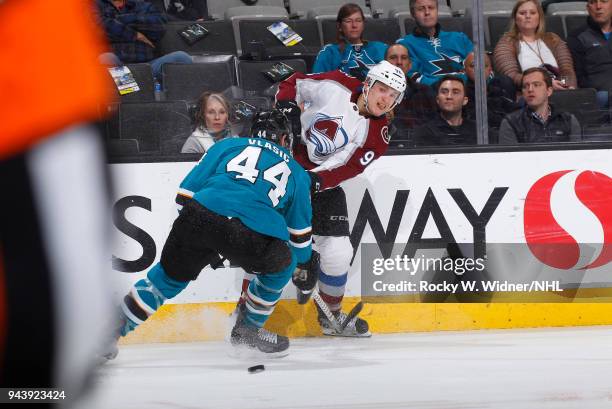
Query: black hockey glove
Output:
(315,183)
(292,111)
(305,277)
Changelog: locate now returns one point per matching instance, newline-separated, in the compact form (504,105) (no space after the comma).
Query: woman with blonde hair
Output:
(527,45)
(212,123)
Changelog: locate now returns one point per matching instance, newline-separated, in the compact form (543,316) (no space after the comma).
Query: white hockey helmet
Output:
(389,75)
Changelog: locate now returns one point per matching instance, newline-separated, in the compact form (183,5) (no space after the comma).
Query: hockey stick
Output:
(328,314)
(338,326)
(352,314)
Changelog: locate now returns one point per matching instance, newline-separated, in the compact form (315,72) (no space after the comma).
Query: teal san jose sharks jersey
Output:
(258,182)
(432,58)
(355,60)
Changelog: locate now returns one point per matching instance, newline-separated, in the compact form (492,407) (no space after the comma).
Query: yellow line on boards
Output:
(210,321)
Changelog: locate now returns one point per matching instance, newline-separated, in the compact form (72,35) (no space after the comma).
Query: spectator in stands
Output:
(133,28)
(212,123)
(434,53)
(591,48)
(501,93)
(538,121)
(350,53)
(450,126)
(419,103)
(527,45)
(193,10)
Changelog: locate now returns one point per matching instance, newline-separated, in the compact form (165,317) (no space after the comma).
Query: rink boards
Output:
(402,199)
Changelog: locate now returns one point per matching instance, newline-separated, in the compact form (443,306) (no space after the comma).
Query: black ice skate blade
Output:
(333,333)
(246,353)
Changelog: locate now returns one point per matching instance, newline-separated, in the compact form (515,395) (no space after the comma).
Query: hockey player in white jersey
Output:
(343,128)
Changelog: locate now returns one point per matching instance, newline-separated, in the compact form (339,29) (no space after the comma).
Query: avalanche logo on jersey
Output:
(327,134)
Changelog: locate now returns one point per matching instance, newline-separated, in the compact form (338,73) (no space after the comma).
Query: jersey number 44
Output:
(245,166)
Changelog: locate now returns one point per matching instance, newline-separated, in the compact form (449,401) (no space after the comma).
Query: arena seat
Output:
(496,27)
(582,102)
(401,137)
(498,7)
(241,127)
(382,7)
(144,78)
(376,29)
(573,22)
(255,38)
(404,18)
(209,73)
(158,127)
(494,9)
(407,27)
(597,134)
(220,38)
(159,5)
(460,24)
(108,120)
(460,7)
(252,80)
(217,8)
(554,24)
(122,147)
(573,8)
(236,14)
(329,13)
(300,8)
(403,10)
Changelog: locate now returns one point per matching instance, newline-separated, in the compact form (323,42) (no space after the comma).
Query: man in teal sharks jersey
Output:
(249,201)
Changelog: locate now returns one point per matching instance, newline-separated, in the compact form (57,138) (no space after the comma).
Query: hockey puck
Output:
(256,369)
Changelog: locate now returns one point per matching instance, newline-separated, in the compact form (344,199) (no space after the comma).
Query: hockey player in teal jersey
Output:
(249,201)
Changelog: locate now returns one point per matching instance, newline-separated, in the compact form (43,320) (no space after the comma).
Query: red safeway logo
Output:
(550,242)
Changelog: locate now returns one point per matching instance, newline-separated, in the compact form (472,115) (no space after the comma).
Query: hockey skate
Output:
(110,353)
(258,339)
(110,349)
(356,328)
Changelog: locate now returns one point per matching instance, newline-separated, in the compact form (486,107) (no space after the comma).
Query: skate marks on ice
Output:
(539,368)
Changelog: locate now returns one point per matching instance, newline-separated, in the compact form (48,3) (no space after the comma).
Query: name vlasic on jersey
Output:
(270,146)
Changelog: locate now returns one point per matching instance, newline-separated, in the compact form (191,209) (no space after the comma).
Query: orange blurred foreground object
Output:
(49,72)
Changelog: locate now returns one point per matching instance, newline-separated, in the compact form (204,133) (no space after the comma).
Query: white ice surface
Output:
(514,369)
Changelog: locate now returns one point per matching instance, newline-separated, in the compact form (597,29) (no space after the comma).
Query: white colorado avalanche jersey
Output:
(336,141)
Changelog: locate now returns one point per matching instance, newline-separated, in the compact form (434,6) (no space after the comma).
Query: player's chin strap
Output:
(366,92)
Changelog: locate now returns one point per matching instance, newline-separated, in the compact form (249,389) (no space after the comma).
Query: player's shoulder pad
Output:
(345,79)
